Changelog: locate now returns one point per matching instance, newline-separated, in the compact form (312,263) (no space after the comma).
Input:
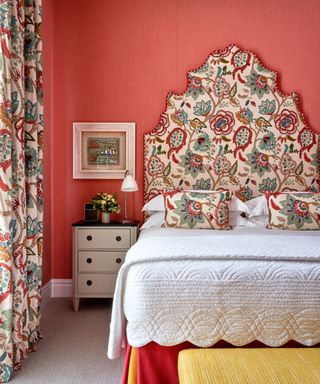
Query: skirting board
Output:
(56,288)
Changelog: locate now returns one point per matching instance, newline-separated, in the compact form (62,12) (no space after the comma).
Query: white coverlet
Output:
(203,286)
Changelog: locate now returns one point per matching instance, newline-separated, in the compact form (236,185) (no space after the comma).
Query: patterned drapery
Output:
(21,176)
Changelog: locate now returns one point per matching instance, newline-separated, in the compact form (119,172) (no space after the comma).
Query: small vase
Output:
(105,217)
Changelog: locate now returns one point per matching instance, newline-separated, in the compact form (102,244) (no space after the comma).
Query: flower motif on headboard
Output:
(231,129)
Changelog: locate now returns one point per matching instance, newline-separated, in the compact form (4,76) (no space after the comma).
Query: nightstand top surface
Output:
(82,223)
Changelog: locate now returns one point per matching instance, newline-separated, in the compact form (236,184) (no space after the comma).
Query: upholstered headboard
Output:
(231,129)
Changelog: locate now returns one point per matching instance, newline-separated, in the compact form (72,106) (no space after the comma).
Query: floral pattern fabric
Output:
(232,129)
(21,176)
(298,211)
(197,209)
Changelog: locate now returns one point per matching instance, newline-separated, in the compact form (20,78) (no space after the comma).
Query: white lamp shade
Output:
(129,184)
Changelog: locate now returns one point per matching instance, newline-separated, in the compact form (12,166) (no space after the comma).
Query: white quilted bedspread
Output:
(204,286)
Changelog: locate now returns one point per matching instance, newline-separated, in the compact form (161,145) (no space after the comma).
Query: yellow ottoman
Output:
(249,365)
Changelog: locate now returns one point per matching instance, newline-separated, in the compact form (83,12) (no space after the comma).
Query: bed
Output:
(231,184)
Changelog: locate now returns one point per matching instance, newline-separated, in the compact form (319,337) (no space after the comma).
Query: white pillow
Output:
(258,206)
(236,220)
(259,221)
(155,220)
(157,204)
(238,206)
(154,205)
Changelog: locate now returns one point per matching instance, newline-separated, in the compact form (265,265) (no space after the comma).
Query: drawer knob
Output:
(89,237)
(89,260)
(118,260)
(118,238)
(89,282)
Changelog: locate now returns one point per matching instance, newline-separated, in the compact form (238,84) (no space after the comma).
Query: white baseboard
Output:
(56,288)
(46,293)
(61,287)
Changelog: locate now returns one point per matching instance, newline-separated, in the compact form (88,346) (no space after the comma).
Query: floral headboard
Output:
(231,129)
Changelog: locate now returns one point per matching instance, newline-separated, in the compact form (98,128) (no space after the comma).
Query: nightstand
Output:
(98,253)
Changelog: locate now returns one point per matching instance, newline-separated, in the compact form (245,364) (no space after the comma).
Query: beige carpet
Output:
(74,346)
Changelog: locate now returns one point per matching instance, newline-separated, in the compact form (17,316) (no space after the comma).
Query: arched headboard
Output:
(231,129)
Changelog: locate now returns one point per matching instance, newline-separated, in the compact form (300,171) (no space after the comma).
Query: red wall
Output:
(48,132)
(116,60)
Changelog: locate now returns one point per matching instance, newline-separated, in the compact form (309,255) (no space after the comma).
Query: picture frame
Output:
(103,150)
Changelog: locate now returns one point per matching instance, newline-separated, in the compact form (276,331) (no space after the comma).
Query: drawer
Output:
(114,238)
(97,283)
(100,261)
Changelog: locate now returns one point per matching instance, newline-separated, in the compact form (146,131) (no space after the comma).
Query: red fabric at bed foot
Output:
(158,365)
(126,364)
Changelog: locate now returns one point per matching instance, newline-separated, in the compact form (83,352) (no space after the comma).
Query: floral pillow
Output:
(156,204)
(294,210)
(197,210)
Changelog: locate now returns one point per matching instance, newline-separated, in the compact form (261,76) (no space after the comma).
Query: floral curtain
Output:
(21,174)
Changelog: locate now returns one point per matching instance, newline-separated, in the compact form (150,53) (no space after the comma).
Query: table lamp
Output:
(128,185)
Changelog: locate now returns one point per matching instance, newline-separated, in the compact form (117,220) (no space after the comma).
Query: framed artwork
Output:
(103,150)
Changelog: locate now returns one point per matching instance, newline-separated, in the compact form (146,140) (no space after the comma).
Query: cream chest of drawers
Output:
(98,253)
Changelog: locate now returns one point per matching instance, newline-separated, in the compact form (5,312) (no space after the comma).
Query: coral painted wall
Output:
(116,60)
(48,108)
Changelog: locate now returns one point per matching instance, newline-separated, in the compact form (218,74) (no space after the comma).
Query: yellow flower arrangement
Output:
(106,203)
